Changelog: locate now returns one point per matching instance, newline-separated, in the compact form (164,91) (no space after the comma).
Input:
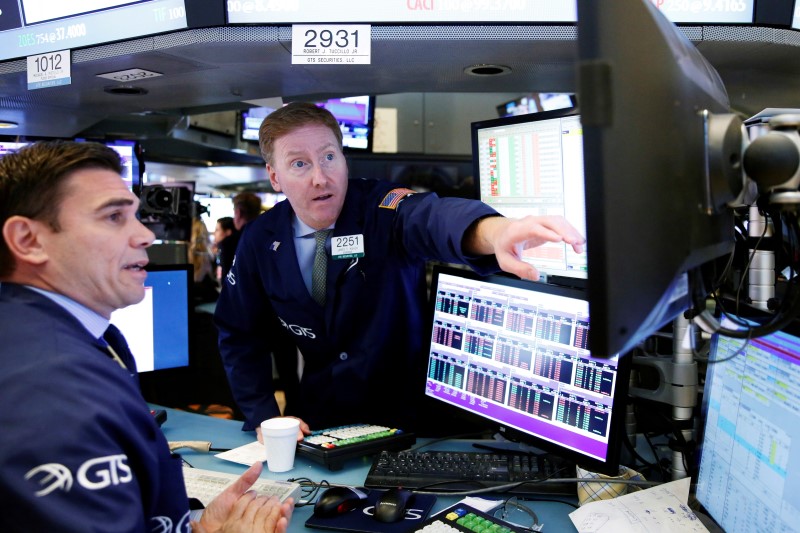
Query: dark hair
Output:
(248,204)
(290,117)
(226,223)
(33,182)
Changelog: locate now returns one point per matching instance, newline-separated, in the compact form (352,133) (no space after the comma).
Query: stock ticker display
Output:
(520,356)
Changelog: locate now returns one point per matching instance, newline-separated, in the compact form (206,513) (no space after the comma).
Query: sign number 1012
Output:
(48,62)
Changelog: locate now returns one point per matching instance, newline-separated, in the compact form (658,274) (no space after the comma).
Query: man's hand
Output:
(304,430)
(238,509)
(508,237)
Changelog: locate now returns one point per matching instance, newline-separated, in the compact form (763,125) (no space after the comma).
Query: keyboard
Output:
(205,485)
(461,518)
(462,471)
(333,446)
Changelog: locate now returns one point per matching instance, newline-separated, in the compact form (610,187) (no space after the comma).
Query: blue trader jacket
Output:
(79,450)
(363,351)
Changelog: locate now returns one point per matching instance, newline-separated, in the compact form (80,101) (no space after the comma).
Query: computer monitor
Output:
(250,120)
(533,165)
(647,98)
(514,354)
(535,102)
(130,154)
(157,328)
(10,147)
(749,479)
(355,115)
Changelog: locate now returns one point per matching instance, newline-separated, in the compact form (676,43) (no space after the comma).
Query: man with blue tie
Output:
(79,449)
(339,266)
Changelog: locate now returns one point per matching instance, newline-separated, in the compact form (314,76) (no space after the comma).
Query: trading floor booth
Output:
(667,133)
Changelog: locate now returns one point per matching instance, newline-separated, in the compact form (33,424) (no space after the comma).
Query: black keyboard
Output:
(460,471)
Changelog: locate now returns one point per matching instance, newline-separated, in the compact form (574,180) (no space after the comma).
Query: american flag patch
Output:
(393,198)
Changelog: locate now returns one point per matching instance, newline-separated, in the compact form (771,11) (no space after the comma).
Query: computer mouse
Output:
(391,505)
(337,500)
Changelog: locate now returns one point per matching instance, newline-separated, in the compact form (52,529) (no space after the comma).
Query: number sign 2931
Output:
(327,38)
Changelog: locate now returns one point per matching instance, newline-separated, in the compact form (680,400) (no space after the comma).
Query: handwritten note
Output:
(661,509)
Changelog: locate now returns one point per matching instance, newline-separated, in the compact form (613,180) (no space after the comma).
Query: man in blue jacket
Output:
(79,449)
(360,343)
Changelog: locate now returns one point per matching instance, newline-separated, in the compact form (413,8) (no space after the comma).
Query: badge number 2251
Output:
(347,246)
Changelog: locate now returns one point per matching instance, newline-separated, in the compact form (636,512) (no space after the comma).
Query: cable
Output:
(512,502)
(310,489)
(735,354)
(518,484)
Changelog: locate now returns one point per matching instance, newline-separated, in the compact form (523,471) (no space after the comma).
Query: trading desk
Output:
(227,434)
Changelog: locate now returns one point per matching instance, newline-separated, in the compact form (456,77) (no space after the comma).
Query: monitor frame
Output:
(704,476)
(159,328)
(559,278)
(657,216)
(370,124)
(609,465)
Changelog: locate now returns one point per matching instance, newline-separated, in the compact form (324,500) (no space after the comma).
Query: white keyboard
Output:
(205,485)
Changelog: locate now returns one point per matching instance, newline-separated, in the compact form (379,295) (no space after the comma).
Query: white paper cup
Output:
(280,442)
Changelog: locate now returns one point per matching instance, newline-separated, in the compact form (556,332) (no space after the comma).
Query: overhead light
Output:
(487,70)
(7,124)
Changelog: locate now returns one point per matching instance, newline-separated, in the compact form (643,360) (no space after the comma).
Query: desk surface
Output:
(227,434)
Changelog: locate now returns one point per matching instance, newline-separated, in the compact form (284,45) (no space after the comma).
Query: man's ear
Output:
(273,178)
(22,236)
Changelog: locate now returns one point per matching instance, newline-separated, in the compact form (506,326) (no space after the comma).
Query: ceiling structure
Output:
(221,68)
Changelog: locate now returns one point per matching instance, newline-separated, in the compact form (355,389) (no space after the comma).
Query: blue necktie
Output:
(119,349)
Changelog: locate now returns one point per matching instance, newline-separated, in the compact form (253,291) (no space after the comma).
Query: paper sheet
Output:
(661,509)
(247,455)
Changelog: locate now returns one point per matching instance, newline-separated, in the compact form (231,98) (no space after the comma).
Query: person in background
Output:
(203,261)
(359,324)
(79,449)
(226,238)
(246,208)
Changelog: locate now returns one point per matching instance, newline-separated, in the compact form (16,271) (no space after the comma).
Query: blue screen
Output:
(157,328)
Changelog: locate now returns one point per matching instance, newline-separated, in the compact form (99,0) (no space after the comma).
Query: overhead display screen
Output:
(796,17)
(31,27)
(707,11)
(529,11)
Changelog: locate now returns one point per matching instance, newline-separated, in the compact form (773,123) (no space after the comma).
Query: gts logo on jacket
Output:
(94,474)
(300,331)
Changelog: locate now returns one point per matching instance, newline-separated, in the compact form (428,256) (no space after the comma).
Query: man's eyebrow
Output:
(292,153)
(115,202)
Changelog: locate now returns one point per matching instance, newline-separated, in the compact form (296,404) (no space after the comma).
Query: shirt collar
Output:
(94,323)
(301,229)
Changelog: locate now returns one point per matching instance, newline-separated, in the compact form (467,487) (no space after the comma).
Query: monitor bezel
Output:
(609,466)
(512,120)
(188,269)
(346,149)
(746,312)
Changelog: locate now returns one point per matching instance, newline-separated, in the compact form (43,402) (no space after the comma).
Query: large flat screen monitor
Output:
(355,115)
(653,220)
(749,476)
(157,328)
(515,353)
(31,27)
(533,165)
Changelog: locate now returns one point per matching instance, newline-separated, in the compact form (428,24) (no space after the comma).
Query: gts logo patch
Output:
(300,331)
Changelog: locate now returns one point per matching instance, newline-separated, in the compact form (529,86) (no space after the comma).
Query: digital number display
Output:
(33,27)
